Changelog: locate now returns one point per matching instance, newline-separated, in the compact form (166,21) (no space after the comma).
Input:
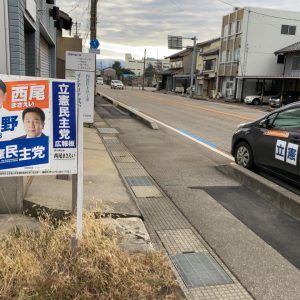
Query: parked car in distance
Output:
(117,84)
(287,98)
(259,99)
(99,80)
(271,143)
(275,101)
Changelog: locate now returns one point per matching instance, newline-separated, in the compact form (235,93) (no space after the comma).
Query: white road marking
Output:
(224,154)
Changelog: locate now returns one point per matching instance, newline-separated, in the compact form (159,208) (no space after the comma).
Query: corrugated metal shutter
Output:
(45,58)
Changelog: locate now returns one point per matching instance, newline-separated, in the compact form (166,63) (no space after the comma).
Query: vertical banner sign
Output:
(38,133)
(82,67)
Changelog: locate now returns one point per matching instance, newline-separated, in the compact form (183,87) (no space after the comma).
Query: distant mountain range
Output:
(106,63)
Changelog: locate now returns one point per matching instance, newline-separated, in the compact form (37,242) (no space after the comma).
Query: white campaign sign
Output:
(292,154)
(280,150)
(82,67)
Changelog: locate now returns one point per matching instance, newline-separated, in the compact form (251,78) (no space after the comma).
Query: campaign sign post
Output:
(38,126)
(82,67)
(41,129)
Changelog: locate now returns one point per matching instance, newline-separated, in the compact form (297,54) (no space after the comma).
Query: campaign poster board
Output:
(38,126)
(82,67)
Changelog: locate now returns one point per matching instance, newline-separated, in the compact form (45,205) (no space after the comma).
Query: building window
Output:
(238,27)
(288,29)
(296,63)
(223,56)
(229,55)
(236,54)
(209,65)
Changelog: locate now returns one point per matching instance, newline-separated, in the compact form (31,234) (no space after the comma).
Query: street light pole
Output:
(193,66)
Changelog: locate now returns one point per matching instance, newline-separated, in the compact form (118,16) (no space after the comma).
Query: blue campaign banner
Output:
(24,152)
(64,114)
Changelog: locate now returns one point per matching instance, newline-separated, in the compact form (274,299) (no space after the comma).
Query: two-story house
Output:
(179,74)
(290,58)
(206,66)
(249,38)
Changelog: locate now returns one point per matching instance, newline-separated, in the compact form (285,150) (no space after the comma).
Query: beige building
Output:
(249,38)
(65,44)
(206,67)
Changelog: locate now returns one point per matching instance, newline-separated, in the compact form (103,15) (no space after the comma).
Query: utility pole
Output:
(93,24)
(193,66)
(144,70)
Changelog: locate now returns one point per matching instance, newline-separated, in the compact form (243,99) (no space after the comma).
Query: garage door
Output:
(45,58)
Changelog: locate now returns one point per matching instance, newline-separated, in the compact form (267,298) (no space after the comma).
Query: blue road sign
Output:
(94,44)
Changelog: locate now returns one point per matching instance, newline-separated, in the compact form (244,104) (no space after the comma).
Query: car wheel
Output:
(256,101)
(243,155)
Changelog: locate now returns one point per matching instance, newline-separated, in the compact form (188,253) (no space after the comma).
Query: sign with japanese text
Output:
(38,126)
(82,67)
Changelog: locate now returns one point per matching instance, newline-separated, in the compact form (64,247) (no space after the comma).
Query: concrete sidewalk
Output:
(104,191)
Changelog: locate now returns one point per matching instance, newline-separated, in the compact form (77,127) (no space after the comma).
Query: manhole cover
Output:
(199,269)
(107,130)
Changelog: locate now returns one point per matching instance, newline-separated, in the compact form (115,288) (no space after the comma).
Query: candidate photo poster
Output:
(38,126)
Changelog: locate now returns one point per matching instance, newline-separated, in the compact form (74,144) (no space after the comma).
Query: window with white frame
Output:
(232,28)
(288,29)
(229,55)
(236,56)
(238,27)
(209,65)
(296,63)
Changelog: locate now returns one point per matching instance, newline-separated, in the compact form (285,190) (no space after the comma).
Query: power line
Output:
(258,13)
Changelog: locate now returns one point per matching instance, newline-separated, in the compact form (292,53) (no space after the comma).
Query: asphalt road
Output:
(257,242)
(211,122)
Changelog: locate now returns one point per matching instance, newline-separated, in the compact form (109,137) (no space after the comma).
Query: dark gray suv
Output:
(271,143)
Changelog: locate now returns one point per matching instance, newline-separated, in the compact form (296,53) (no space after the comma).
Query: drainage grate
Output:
(199,269)
(139,180)
(107,130)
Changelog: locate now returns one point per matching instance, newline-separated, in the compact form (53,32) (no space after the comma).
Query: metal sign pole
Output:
(79,174)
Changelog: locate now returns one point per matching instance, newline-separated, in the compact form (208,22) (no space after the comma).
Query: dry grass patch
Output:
(42,266)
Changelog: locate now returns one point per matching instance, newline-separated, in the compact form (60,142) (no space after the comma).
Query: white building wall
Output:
(262,37)
(137,66)
(4,40)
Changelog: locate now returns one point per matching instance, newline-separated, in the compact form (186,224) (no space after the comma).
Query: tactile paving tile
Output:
(122,156)
(130,166)
(180,240)
(111,140)
(161,214)
(134,171)
(107,130)
(146,191)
